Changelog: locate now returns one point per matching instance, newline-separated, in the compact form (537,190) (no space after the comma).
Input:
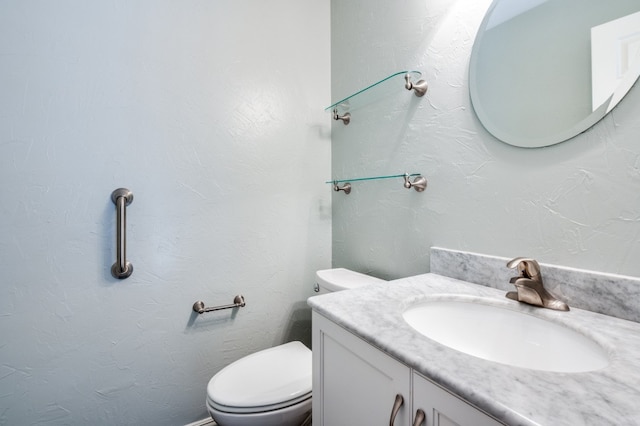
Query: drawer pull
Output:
(420,417)
(397,404)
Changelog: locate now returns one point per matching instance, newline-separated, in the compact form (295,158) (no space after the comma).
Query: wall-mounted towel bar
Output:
(238,302)
(121,197)
(419,183)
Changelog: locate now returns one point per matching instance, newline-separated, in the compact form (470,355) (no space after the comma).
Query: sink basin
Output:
(500,334)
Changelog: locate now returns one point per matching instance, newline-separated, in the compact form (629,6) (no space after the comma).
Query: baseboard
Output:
(203,422)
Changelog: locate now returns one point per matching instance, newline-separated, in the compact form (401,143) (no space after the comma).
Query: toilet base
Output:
(293,415)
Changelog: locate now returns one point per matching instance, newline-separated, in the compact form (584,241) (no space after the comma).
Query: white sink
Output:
(500,334)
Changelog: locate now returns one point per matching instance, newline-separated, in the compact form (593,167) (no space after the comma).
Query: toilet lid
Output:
(338,279)
(270,377)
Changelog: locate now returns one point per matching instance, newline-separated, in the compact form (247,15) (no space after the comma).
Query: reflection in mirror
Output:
(543,71)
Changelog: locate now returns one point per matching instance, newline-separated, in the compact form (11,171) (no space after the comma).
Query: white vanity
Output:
(357,384)
(366,354)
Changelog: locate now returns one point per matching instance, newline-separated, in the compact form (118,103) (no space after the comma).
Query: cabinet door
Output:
(355,384)
(445,409)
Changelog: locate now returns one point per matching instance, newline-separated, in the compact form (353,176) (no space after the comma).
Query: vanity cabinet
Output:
(443,408)
(357,384)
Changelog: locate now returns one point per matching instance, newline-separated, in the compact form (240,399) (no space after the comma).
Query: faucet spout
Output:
(529,286)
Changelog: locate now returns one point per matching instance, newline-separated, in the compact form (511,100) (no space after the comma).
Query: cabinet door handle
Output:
(396,407)
(420,417)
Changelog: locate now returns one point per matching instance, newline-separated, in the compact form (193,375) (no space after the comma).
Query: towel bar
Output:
(238,302)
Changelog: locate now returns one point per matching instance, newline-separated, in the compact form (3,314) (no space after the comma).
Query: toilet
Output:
(272,387)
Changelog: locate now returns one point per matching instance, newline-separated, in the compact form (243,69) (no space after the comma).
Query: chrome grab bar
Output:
(238,302)
(121,197)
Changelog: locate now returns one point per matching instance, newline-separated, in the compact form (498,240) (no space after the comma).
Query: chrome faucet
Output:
(529,287)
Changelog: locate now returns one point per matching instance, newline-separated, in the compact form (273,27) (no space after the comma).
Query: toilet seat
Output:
(267,380)
(256,410)
(294,415)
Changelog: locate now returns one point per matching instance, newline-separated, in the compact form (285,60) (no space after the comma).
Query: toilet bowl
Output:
(272,387)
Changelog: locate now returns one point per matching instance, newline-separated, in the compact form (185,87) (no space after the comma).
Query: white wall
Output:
(575,204)
(211,112)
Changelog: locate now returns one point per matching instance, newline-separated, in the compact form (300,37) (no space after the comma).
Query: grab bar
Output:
(238,302)
(122,269)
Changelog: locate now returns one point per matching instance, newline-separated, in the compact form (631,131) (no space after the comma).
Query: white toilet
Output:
(272,387)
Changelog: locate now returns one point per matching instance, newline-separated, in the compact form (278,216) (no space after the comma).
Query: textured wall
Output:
(204,110)
(575,204)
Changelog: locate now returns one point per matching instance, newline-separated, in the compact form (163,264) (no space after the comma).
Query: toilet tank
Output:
(330,280)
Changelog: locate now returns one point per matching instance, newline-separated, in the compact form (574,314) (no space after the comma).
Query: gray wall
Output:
(574,204)
(204,110)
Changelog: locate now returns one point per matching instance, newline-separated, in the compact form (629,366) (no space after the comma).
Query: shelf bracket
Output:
(419,183)
(346,117)
(419,87)
(346,187)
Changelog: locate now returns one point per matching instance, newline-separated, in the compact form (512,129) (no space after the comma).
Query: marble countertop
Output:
(515,396)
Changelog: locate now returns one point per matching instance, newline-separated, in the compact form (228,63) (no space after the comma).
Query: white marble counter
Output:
(516,396)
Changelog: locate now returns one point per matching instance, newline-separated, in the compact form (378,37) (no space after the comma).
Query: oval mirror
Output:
(543,71)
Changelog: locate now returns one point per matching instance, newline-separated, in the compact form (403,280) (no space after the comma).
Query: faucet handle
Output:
(527,267)
(529,285)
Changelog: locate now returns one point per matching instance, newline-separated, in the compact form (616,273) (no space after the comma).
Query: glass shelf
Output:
(394,80)
(372,178)
(419,183)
